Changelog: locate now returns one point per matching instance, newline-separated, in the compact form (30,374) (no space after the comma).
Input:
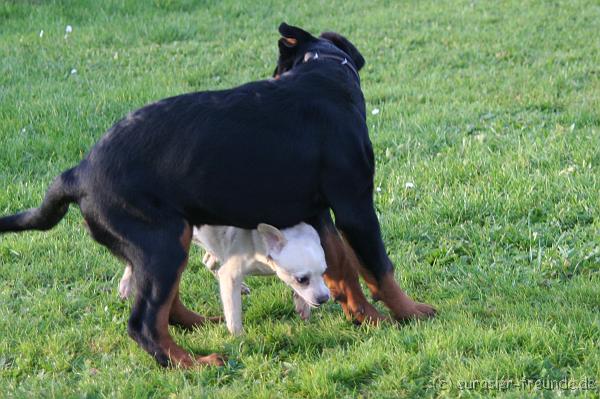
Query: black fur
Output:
(60,194)
(274,151)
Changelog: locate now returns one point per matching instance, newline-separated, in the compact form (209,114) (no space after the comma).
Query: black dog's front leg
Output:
(342,271)
(358,222)
(347,185)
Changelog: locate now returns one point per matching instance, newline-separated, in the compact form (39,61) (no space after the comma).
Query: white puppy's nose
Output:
(322,299)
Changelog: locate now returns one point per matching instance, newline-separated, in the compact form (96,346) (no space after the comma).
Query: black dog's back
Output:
(221,157)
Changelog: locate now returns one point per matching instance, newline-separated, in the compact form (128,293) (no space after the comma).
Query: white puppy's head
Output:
(296,256)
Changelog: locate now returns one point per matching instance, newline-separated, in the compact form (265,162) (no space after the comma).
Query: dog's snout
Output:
(322,299)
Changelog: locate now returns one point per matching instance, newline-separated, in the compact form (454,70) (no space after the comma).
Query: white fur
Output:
(125,283)
(233,253)
(290,254)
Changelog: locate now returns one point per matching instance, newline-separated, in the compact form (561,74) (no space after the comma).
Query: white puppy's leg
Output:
(302,308)
(230,284)
(212,263)
(125,283)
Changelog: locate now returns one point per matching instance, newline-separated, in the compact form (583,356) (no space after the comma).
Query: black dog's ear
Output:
(344,44)
(292,35)
(287,53)
(292,39)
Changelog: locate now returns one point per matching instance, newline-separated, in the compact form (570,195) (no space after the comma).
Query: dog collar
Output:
(310,56)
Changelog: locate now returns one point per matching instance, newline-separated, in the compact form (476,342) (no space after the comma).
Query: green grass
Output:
(491,110)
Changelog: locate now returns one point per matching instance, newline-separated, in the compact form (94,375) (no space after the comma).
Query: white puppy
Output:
(294,254)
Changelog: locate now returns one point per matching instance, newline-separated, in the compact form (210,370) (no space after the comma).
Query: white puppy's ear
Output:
(273,238)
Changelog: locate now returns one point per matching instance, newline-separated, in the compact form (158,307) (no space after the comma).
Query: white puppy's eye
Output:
(302,280)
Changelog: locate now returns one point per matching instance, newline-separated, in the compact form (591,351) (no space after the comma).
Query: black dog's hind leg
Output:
(159,258)
(185,318)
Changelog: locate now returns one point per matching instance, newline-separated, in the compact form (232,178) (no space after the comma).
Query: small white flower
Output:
(73,71)
(23,130)
(375,111)
(69,29)
(567,171)
(409,185)
(378,189)
(42,33)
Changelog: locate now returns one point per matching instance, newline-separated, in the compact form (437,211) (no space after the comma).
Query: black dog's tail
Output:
(63,191)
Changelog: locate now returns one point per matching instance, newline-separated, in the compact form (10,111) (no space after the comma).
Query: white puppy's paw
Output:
(235,329)
(302,308)
(245,289)
(125,284)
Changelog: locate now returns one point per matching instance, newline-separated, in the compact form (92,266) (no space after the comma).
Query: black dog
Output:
(279,151)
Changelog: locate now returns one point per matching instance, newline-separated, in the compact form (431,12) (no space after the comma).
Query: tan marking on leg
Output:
(183,317)
(341,277)
(186,239)
(401,305)
(177,355)
(179,314)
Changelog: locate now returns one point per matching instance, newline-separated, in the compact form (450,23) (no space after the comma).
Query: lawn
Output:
(487,143)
